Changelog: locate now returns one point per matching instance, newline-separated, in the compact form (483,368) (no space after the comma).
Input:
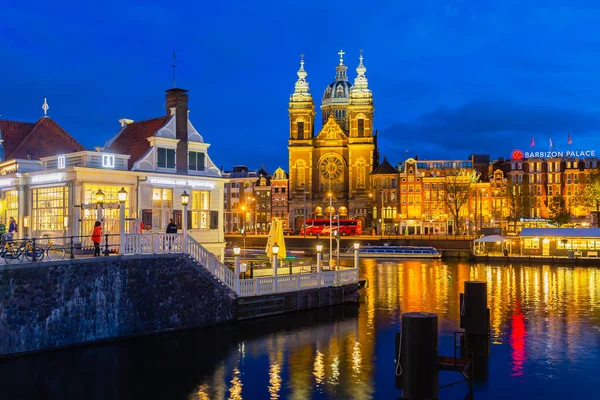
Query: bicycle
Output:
(51,250)
(10,251)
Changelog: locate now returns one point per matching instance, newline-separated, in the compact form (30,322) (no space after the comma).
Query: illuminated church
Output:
(340,157)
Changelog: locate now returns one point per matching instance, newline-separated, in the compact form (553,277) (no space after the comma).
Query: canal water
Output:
(545,343)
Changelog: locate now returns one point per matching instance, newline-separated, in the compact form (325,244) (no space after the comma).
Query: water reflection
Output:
(544,327)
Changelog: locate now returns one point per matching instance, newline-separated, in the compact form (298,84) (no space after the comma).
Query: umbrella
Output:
(276,237)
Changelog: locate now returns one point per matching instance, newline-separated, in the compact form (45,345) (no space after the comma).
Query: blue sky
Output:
(449,78)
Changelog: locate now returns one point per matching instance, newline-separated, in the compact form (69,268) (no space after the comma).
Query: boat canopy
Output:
(491,239)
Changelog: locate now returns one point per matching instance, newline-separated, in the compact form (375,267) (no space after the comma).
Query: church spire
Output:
(360,82)
(301,87)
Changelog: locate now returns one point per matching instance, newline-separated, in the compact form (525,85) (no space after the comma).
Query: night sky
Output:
(449,78)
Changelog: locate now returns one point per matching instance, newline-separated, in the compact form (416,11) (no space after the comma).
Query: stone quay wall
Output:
(61,303)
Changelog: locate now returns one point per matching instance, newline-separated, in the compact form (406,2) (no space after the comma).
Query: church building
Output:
(340,157)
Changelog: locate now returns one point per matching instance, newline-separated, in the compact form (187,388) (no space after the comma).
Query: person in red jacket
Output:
(97,237)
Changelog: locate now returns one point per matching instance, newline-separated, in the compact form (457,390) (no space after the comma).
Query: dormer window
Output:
(165,158)
(196,161)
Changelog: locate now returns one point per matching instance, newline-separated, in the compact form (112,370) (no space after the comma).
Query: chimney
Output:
(177,100)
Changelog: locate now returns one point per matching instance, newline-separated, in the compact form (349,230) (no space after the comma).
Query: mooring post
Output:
(475,321)
(418,356)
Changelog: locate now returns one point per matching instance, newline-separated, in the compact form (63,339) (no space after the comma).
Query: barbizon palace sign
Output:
(554,154)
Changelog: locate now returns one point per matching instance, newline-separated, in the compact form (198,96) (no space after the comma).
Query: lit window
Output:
(200,209)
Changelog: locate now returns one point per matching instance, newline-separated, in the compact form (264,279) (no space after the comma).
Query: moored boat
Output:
(397,252)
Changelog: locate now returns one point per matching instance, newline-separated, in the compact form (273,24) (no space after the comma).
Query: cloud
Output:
(489,127)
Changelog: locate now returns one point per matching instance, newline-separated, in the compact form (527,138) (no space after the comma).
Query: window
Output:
(162,206)
(200,209)
(165,158)
(276,190)
(300,125)
(49,209)
(282,190)
(361,174)
(300,173)
(196,161)
(361,127)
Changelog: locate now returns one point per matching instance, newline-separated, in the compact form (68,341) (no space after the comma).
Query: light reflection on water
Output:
(545,335)
(543,329)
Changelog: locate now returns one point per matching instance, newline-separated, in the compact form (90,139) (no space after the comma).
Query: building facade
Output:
(154,161)
(239,200)
(279,196)
(340,157)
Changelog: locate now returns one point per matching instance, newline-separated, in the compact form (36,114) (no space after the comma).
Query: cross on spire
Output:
(45,107)
(341,53)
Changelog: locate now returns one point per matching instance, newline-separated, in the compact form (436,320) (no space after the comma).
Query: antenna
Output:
(174,66)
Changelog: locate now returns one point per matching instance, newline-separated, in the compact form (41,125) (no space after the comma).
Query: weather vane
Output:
(174,66)
(45,107)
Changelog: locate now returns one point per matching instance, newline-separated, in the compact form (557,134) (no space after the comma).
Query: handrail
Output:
(210,262)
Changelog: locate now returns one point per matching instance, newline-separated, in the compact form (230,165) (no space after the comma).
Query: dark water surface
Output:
(545,344)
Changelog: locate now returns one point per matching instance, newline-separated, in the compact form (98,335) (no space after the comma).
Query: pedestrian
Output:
(97,237)
(171,228)
(12,228)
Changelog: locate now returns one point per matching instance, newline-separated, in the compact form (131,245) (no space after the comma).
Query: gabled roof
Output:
(385,168)
(42,139)
(133,138)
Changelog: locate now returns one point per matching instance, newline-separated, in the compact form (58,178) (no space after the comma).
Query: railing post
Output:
(122,227)
(298,282)
(72,247)
(237,275)
(106,252)
(256,287)
(34,255)
(155,243)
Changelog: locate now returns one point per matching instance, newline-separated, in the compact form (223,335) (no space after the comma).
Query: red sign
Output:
(517,155)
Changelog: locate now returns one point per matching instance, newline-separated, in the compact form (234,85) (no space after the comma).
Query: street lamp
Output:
(275,266)
(330,195)
(243,216)
(122,196)
(185,199)
(304,224)
(356,247)
(236,253)
(382,216)
(99,197)
(319,255)
(253,200)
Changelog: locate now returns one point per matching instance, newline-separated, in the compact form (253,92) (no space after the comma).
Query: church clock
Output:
(331,167)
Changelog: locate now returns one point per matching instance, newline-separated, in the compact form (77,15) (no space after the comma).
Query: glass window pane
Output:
(192,161)
(170,158)
(161,158)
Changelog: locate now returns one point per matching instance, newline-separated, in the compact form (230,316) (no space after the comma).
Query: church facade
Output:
(337,159)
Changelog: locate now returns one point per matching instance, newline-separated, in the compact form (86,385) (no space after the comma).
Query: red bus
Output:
(321,226)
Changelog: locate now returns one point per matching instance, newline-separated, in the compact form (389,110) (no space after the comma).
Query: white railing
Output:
(153,243)
(162,243)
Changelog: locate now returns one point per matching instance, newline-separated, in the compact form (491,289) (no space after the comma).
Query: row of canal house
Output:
(49,180)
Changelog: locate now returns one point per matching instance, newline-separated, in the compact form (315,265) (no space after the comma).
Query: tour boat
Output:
(397,252)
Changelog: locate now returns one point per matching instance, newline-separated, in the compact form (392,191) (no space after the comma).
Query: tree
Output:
(588,194)
(557,209)
(457,192)
(518,201)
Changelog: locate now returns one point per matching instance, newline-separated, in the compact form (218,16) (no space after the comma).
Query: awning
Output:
(492,239)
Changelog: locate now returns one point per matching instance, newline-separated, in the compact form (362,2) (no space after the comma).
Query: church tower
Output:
(302,121)
(336,96)
(363,154)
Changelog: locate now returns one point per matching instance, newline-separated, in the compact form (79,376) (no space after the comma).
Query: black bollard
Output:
(418,355)
(474,310)
(475,319)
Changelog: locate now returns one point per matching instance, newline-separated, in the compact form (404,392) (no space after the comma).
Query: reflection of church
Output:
(341,156)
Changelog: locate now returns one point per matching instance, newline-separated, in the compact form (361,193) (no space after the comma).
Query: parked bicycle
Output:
(10,251)
(51,250)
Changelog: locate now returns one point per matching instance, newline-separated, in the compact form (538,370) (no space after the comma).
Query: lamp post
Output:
(185,198)
(481,212)
(243,217)
(356,247)
(122,196)
(382,216)
(330,195)
(275,266)
(319,255)
(338,238)
(304,222)
(99,202)
(236,252)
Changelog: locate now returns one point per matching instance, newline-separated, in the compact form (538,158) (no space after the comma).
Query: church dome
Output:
(338,89)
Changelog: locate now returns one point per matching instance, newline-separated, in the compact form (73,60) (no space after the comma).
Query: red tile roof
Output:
(133,139)
(42,139)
